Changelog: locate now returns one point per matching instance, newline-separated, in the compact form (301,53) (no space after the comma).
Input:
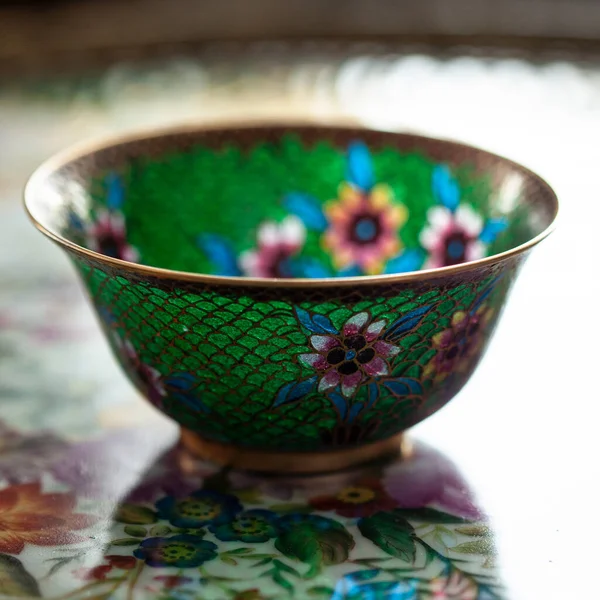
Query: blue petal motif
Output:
(486,594)
(354,411)
(181,382)
(192,402)
(115,192)
(405,323)
(294,391)
(106,316)
(340,403)
(373,391)
(346,589)
(219,252)
(404,386)
(409,260)
(486,292)
(316,323)
(307,209)
(181,387)
(492,229)
(363,575)
(75,223)
(311,268)
(351,271)
(445,187)
(360,167)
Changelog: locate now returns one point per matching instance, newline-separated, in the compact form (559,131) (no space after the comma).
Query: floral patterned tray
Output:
(128,514)
(524,438)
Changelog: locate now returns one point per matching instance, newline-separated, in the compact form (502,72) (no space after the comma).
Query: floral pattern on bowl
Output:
(363,228)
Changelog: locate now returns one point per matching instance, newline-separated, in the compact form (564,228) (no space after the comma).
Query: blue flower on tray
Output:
(201,508)
(250,526)
(180,551)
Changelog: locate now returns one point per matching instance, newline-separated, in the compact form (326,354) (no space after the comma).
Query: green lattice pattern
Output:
(243,348)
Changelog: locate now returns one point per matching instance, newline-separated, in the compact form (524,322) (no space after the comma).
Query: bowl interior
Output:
(292,202)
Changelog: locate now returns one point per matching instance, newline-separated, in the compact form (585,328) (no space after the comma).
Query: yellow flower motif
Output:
(364,228)
(356,495)
(458,345)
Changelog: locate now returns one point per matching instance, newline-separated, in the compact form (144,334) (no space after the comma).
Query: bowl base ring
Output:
(293,462)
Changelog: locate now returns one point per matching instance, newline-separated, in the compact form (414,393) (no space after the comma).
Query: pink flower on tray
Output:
(352,356)
(429,478)
(108,235)
(278,243)
(452,237)
(454,586)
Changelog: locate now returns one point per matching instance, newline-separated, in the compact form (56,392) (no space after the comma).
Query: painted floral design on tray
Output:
(408,529)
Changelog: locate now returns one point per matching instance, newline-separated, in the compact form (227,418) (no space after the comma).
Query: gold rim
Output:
(297,463)
(36,181)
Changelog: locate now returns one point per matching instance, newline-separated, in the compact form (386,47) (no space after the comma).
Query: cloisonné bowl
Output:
(295,297)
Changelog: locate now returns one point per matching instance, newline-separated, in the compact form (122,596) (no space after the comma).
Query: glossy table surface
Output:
(508,469)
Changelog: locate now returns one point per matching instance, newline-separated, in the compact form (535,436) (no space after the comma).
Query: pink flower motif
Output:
(277,243)
(349,358)
(364,228)
(26,456)
(428,478)
(108,235)
(451,237)
(456,586)
(148,378)
(459,344)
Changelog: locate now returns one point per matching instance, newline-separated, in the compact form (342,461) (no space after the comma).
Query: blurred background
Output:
(518,77)
(474,69)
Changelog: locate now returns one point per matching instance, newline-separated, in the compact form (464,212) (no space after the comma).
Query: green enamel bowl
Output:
(295,297)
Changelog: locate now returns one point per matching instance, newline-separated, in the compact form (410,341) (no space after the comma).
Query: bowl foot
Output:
(292,462)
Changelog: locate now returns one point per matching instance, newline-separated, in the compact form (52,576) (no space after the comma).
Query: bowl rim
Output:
(37,180)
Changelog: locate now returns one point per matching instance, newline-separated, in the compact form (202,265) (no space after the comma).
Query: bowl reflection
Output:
(400,529)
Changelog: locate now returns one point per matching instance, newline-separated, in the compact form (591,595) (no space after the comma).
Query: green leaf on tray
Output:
(391,532)
(125,542)
(316,546)
(135,515)
(160,530)
(15,581)
(430,515)
(474,530)
(483,546)
(135,531)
